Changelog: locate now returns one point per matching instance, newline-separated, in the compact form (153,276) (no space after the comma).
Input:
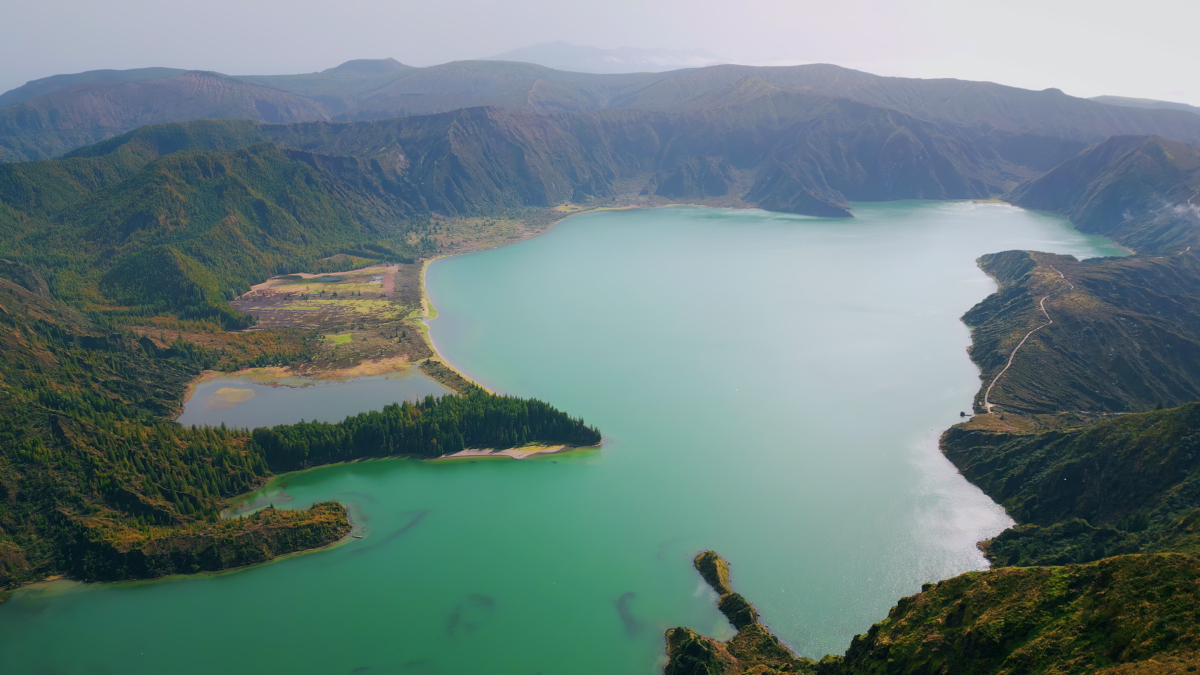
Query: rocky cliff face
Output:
(695,178)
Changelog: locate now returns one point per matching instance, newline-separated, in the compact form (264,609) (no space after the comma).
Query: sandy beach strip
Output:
(512,453)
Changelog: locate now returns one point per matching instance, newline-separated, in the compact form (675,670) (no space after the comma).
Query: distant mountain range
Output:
(1146,103)
(49,117)
(563,56)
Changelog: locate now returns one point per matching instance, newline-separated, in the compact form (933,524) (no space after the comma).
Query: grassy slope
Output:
(157,226)
(1136,190)
(1125,337)
(1139,609)
(1124,485)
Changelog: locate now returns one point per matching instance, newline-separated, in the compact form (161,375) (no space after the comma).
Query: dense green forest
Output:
(434,427)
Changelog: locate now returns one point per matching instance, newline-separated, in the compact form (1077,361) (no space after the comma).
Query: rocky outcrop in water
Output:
(1136,613)
(753,650)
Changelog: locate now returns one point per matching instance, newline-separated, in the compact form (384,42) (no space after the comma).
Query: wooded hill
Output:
(182,225)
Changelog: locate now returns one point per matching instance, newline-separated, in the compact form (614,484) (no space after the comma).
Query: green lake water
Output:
(769,386)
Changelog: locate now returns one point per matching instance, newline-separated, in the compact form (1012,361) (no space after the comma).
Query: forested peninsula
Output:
(98,483)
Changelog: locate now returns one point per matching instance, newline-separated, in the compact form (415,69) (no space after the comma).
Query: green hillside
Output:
(187,231)
(1120,615)
(1125,485)
(1125,335)
(246,201)
(1136,190)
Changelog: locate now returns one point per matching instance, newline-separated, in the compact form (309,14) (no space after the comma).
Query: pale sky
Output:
(1147,48)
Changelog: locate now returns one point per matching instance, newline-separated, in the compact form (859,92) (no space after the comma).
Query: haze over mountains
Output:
(1146,103)
(48,117)
(563,56)
(472,137)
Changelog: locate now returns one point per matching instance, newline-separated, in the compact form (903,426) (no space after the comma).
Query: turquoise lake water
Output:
(769,386)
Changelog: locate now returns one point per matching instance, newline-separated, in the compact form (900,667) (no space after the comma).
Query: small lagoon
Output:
(250,400)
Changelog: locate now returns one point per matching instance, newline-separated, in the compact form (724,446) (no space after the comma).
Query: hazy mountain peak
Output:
(743,90)
(583,59)
(54,83)
(369,66)
(1148,103)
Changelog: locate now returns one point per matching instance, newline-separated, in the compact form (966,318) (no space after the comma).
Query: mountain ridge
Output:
(378,89)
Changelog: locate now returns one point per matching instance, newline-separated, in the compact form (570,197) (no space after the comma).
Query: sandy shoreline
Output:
(273,374)
(524,452)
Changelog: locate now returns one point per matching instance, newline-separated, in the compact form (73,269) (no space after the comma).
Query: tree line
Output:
(429,428)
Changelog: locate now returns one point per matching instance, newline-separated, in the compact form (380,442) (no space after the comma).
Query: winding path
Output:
(987,404)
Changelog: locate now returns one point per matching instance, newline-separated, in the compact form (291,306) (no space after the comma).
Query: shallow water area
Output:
(769,386)
(250,400)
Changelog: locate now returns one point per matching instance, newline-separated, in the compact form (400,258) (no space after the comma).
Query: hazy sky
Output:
(1146,48)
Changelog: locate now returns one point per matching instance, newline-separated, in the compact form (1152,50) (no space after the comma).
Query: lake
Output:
(769,386)
(251,400)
